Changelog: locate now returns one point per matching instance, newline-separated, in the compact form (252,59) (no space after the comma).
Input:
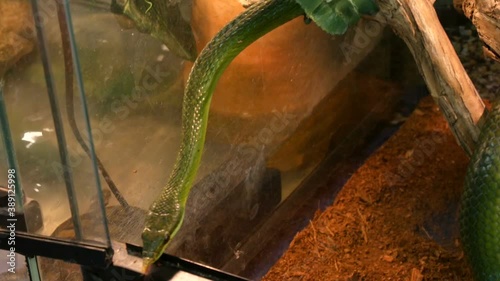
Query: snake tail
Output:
(167,211)
(480,206)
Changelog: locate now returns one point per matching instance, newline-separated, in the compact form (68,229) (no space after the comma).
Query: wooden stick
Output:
(416,22)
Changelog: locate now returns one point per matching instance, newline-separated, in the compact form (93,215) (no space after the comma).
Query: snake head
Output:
(160,229)
(154,244)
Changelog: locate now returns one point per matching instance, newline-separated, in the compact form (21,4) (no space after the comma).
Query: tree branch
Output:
(416,22)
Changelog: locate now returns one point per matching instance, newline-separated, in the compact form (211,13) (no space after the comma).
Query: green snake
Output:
(481,206)
(166,213)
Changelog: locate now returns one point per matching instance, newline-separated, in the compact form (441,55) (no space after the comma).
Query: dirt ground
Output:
(395,219)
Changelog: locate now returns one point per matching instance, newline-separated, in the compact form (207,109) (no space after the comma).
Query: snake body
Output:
(166,213)
(480,206)
(480,215)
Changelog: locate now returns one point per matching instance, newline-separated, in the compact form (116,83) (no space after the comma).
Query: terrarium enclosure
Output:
(296,107)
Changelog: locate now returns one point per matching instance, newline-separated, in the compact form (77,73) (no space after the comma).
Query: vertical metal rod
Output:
(33,269)
(12,162)
(79,82)
(58,126)
(10,151)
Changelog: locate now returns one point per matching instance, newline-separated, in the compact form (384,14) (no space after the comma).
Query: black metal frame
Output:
(78,252)
(97,262)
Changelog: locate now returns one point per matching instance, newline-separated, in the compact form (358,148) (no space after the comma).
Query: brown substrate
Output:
(395,219)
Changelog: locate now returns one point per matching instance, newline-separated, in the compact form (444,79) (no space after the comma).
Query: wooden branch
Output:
(485,15)
(416,22)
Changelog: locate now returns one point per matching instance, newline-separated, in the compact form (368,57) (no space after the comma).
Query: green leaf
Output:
(336,16)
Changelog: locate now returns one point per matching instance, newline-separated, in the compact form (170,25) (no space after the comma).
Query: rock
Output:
(289,71)
(16,26)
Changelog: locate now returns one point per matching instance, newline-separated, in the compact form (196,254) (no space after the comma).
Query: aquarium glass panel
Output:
(57,177)
(294,102)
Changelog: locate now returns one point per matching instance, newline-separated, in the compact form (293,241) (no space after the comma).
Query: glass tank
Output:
(294,103)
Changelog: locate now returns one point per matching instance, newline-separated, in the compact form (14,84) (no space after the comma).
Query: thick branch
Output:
(416,22)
